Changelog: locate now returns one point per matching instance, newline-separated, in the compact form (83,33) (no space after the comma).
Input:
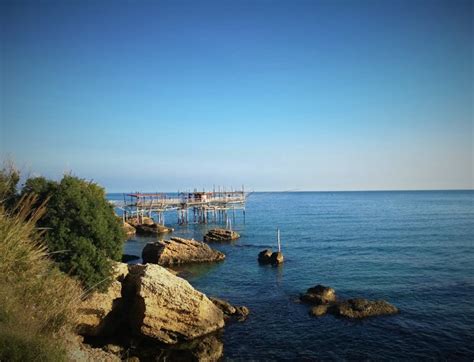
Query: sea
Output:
(414,249)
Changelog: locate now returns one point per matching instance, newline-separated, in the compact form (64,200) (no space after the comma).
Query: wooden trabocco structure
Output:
(197,206)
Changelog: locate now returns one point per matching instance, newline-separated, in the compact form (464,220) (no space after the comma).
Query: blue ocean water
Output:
(414,249)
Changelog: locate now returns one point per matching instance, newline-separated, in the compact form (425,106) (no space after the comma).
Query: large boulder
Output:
(179,251)
(319,294)
(167,308)
(220,235)
(363,308)
(95,314)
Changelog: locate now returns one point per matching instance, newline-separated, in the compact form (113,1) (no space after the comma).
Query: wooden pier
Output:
(197,206)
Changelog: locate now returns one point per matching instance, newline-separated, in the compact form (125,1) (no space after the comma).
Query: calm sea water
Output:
(414,249)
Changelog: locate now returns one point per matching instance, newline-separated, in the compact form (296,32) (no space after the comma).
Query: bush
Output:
(82,230)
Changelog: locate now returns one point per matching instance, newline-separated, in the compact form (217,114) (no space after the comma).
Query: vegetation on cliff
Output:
(37,301)
(82,231)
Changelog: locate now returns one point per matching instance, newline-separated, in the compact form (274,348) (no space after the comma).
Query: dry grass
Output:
(37,301)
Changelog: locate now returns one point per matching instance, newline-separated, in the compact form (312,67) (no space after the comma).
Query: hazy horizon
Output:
(275,95)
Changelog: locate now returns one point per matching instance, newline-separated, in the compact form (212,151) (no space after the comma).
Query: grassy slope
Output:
(37,302)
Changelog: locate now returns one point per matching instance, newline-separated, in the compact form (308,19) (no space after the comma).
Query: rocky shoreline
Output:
(150,306)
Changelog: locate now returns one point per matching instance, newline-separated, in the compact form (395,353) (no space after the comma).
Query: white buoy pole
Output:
(278,239)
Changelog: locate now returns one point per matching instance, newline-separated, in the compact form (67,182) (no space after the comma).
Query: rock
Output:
(219,235)
(319,295)
(319,310)
(229,310)
(242,312)
(129,229)
(267,257)
(153,229)
(77,351)
(363,308)
(128,257)
(179,251)
(134,221)
(167,308)
(264,256)
(276,258)
(95,313)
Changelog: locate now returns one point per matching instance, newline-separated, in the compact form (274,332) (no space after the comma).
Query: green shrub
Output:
(82,230)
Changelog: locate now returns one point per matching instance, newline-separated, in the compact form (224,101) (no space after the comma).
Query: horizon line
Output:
(321,191)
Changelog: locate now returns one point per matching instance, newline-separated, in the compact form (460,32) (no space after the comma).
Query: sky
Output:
(273,95)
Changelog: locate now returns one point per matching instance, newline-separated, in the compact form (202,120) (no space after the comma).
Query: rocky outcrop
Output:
(231,311)
(96,312)
(325,301)
(153,229)
(179,251)
(363,308)
(167,308)
(129,229)
(220,235)
(319,295)
(268,257)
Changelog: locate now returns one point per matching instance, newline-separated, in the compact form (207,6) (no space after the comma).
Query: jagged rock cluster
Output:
(324,301)
(179,251)
(220,235)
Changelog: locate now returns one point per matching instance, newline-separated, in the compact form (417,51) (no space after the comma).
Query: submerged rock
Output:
(363,308)
(229,310)
(219,235)
(167,308)
(179,251)
(319,294)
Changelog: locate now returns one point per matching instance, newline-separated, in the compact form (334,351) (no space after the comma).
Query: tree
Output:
(82,231)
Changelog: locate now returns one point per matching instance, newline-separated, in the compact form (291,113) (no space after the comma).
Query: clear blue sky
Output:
(276,95)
